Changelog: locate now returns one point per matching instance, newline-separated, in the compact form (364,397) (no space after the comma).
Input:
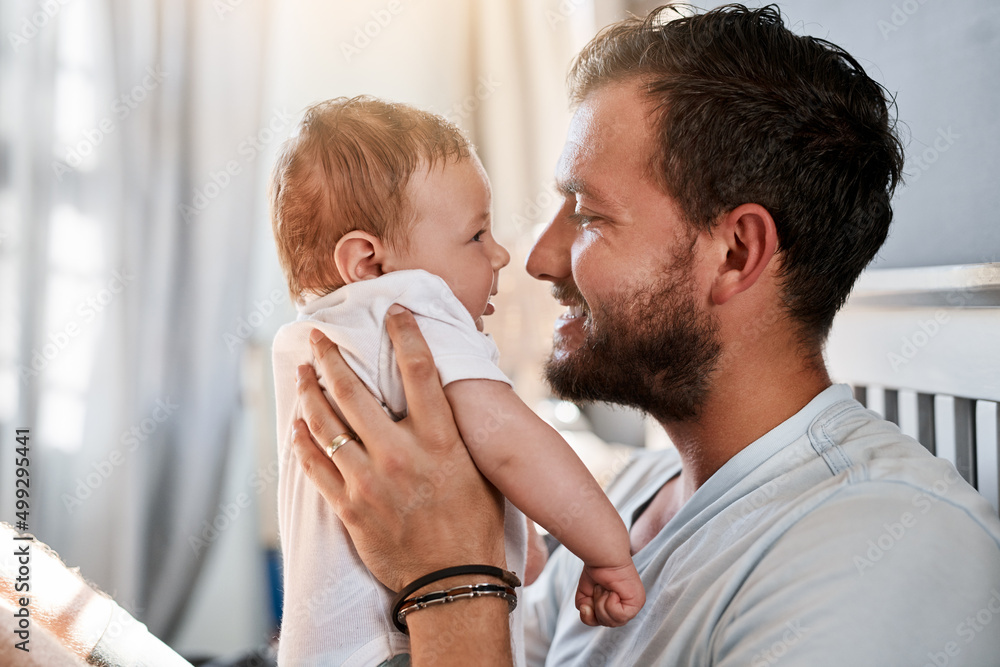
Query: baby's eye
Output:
(479,235)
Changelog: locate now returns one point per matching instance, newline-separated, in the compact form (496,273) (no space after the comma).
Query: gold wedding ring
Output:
(339,442)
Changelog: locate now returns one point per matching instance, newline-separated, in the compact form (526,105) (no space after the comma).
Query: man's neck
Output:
(743,405)
(747,401)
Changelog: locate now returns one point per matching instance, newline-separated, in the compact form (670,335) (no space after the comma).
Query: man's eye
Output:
(581,220)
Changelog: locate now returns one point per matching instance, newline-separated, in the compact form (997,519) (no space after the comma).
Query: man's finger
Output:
(323,423)
(316,465)
(424,395)
(322,420)
(364,414)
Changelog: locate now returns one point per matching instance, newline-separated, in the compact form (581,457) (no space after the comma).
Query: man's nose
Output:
(549,259)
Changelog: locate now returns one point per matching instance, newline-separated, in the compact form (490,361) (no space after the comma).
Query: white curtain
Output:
(138,285)
(128,209)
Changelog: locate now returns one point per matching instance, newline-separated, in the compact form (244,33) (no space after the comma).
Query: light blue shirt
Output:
(832,540)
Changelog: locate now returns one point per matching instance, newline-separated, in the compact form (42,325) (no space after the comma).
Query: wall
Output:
(942,60)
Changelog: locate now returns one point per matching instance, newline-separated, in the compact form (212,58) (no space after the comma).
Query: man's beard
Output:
(652,349)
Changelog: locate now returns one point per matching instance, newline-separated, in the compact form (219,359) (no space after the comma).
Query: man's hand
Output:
(409,494)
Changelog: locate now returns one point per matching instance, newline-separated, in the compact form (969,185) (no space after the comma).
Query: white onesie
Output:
(335,611)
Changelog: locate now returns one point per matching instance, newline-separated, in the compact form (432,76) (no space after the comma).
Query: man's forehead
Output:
(611,135)
(618,107)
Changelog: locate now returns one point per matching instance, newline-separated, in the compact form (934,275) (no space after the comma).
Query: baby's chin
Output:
(489,309)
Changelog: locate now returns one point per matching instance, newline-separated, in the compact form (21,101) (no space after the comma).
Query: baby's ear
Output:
(359,256)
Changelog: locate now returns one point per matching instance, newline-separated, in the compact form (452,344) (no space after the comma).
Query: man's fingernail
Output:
(316,336)
(396,309)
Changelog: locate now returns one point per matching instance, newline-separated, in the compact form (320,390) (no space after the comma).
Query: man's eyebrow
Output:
(574,186)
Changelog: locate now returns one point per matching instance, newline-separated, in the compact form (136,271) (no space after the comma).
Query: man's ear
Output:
(750,240)
(359,256)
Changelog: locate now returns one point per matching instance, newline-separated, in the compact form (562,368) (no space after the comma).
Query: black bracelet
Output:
(508,578)
(457,593)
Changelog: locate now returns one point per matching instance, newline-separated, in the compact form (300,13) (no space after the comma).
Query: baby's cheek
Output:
(462,299)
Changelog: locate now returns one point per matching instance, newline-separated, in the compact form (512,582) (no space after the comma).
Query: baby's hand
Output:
(609,596)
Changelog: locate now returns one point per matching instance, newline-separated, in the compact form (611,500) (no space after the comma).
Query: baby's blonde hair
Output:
(346,169)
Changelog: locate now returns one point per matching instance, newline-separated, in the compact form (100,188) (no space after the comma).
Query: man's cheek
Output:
(594,273)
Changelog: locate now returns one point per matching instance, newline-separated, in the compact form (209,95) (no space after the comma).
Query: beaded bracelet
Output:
(456,593)
(509,579)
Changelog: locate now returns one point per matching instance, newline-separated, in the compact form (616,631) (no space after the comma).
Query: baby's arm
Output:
(539,473)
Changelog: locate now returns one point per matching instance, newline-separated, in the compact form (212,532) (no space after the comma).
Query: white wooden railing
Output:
(922,347)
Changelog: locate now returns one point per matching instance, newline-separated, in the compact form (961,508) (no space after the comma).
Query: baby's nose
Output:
(501,257)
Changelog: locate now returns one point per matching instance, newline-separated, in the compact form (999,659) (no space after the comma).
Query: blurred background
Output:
(139,289)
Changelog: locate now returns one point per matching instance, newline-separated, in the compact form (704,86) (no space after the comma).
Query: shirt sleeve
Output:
(542,602)
(904,583)
(354,317)
(461,352)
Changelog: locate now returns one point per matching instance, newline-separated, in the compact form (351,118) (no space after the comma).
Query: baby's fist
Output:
(609,596)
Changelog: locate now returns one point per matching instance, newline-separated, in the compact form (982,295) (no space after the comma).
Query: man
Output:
(724,183)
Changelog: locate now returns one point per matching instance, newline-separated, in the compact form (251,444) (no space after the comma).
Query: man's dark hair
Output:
(748,112)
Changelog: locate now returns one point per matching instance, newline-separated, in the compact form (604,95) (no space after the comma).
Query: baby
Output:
(375,204)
